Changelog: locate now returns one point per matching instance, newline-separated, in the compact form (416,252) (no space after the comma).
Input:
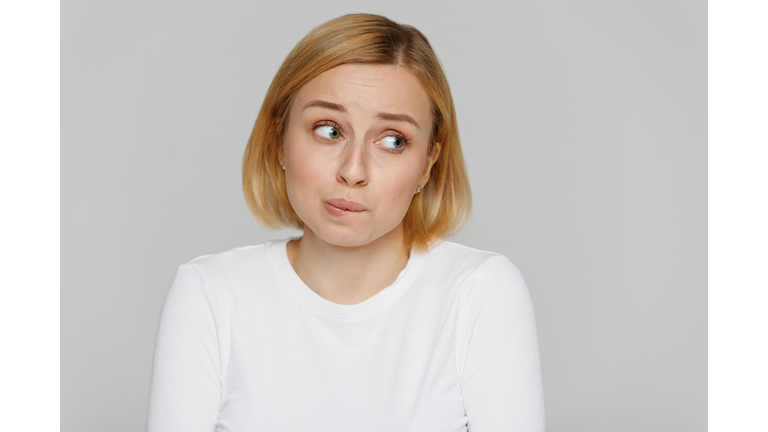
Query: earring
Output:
(418,190)
(282,165)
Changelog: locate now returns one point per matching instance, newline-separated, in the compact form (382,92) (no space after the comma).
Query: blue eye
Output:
(393,142)
(329,132)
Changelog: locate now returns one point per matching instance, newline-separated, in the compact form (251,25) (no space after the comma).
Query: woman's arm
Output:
(185,390)
(501,380)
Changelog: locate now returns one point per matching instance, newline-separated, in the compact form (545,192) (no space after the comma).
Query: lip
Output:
(347,205)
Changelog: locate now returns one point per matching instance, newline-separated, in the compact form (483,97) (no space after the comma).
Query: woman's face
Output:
(355,151)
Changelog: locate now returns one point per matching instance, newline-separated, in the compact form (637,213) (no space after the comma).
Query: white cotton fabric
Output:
(244,345)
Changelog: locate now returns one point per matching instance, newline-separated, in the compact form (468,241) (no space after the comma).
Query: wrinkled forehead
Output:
(362,89)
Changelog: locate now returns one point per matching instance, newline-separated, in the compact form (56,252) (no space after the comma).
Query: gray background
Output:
(584,129)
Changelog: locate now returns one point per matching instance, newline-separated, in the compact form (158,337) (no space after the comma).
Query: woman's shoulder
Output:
(487,279)
(459,256)
(473,267)
(235,262)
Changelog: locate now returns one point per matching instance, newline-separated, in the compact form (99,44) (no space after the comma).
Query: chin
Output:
(344,236)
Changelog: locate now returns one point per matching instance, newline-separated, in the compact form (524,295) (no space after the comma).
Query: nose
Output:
(353,170)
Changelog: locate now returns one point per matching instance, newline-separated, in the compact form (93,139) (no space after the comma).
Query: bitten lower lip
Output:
(335,211)
(346,204)
(343,206)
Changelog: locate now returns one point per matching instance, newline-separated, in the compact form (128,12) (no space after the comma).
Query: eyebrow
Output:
(397,117)
(380,116)
(324,104)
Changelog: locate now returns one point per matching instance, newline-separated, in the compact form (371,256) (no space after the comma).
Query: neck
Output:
(348,275)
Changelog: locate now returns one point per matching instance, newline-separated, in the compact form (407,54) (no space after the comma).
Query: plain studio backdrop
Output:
(583,126)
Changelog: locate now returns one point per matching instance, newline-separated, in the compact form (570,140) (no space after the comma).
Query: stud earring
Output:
(282,165)
(418,190)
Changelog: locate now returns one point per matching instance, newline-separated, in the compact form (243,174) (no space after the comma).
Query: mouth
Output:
(343,206)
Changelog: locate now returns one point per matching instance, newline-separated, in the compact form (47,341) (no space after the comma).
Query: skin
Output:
(352,154)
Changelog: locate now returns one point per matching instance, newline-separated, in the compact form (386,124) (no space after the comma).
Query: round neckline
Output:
(279,252)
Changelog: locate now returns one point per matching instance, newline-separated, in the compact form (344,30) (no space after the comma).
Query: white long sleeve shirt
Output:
(244,345)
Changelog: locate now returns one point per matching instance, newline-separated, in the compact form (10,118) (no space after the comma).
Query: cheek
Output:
(400,185)
(301,172)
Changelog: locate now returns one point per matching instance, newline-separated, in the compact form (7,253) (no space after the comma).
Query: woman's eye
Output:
(329,132)
(393,142)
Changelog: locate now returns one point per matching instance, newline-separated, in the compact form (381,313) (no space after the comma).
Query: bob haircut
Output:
(443,206)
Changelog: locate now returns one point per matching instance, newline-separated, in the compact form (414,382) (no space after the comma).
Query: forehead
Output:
(365,87)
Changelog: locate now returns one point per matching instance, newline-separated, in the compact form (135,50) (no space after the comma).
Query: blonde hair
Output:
(443,206)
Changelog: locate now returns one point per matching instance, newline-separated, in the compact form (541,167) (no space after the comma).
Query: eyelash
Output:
(396,134)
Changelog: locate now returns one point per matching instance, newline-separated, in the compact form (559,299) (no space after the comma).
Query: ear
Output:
(280,154)
(431,159)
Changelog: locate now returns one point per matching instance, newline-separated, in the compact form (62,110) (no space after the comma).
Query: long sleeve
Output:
(185,389)
(501,380)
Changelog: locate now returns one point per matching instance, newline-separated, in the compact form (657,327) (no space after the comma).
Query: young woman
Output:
(370,321)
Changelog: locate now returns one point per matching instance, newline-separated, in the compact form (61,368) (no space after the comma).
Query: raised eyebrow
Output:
(398,117)
(325,104)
